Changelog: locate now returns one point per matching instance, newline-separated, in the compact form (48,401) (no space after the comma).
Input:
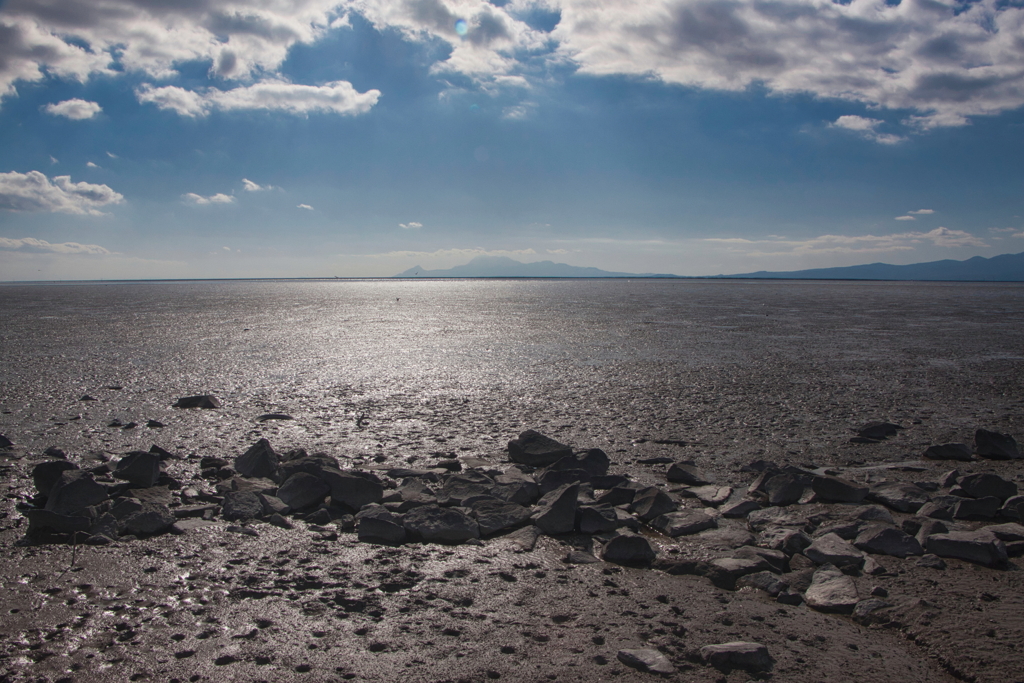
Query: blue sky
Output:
(305,138)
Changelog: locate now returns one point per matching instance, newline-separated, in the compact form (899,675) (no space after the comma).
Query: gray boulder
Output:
(536,450)
(899,497)
(740,508)
(549,480)
(493,515)
(986,484)
(302,489)
(74,491)
(141,469)
(259,461)
(629,549)
(618,495)
(435,524)
(377,524)
(836,490)
(724,572)
(977,508)
(949,451)
(995,446)
(151,518)
(830,549)
(886,540)
(831,591)
(457,488)
(40,521)
(978,546)
(759,520)
(788,540)
(46,474)
(1007,533)
(686,473)
(353,489)
(646,659)
(556,512)
(684,522)
(241,505)
(597,519)
(738,655)
(785,488)
(652,502)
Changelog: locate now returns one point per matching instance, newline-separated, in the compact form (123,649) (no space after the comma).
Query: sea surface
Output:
(365,363)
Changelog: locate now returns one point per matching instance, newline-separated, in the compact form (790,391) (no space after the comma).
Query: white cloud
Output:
(905,218)
(199,200)
(852,244)
(338,97)
(1007,230)
(412,225)
(31,244)
(76,110)
(305,207)
(866,128)
(250,186)
(923,212)
(90,164)
(112,155)
(33,191)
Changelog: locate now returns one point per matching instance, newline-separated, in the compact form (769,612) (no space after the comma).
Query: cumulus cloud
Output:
(412,225)
(305,207)
(90,164)
(33,191)
(33,245)
(851,244)
(338,97)
(922,212)
(250,186)
(905,218)
(200,200)
(76,110)
(866,128)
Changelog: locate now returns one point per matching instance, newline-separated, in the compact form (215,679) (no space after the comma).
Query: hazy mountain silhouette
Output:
(502,266)
(1003,268)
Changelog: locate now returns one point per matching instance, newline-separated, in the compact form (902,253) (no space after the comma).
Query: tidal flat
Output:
(410,380)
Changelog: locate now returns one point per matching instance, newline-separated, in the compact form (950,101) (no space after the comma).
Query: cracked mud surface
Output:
(396,374)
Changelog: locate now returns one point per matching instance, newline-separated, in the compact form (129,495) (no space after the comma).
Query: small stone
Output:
(241,505)
(995,446)
(259,461)
(154,424)
(536,450)
(646,659)
(740,508)
(141,469)
(878,431)
(931,561)
(652,502)
(685,473)
(899,497)
(684,522)
(949,451)
(738,655)
(580,557)
(629,549)
(282,522)
(785,489)
(202,401)
(377,524)
(977,508)
(836,490)
(831,591)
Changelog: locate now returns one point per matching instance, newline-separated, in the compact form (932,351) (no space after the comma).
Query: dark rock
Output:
(899,497)
(652,502)
(949,451)
(282,522)
(836,490)
(549,480)
(44,520)
(759,520)
(580,557)
(995,446)
(986,484)
(977,508)
(935,511)
(141,469)
(724,572)
(738,655)
(646,659)
(788,540)
(683,522)
(1007,533)
(1013,508)
(725,538)
(302,490)
(152,518)
(435,524)
(785,489)
(949,478)
(760,483)
(74,491)
(863,609)
(831,591)
(274,416)
(241,505)
(931,561)
(765,581)
(556,513)
(629,549)
(776,559)
(619,495)
(319,517)
(376,524)
(929,527)
(493,516)
(595,462)
(830,549)
(310,464)
(458,488)
(710,495)
(5,443)
(272,505)
(353,489)
(978,546)
(608,481)
(597,519)
(536,450)
(885,540)
(55,453)
(259,461)
(203,401)
(878,431)
(46,474)
(740,508)
(684,473)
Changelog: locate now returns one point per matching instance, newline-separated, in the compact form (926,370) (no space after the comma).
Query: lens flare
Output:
(461,27)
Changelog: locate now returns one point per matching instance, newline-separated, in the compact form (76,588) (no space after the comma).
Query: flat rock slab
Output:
(684,522)
(536,450)
(303,490)
(886,540)
(831,591)
(629,549)
(738,655)
(979,546)
(831,549)
(985,484)
(836,490)
(646,659)
(899,497)
(440,525)
(995,446)
(949,451)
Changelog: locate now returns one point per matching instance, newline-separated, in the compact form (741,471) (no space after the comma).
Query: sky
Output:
(360,138)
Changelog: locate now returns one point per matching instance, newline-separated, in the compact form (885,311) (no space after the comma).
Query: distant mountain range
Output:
(502,266)
(1003,268)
